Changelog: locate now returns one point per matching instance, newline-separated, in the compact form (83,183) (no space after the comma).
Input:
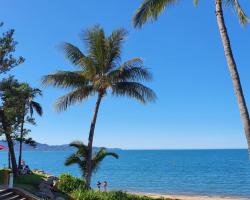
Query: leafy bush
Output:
(68,183)
(118,195)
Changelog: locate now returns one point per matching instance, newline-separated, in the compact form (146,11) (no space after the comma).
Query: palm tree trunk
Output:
(21,143)
(233,70)
(90,141)
(7,133)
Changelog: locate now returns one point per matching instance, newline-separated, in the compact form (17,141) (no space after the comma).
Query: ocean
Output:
(187,172)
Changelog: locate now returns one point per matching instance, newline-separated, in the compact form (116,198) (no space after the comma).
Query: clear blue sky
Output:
(196,106)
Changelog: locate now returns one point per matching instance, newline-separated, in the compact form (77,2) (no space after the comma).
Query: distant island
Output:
(46,147)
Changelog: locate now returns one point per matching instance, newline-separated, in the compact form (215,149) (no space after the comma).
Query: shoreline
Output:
(188,197)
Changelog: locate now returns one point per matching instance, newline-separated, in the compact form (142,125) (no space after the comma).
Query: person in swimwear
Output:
(105,184)
(99,186)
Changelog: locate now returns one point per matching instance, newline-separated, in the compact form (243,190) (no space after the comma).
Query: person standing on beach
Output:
(105,184)
(99,186)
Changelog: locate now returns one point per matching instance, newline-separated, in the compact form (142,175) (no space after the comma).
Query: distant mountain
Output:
(46,147)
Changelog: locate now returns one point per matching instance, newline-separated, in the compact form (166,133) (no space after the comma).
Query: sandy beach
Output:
(187,197)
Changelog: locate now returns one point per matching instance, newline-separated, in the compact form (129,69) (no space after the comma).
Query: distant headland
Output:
(46,147)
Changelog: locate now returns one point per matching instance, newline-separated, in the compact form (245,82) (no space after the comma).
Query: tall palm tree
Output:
(28,106)
(100,73)
(151,9)
(80,157)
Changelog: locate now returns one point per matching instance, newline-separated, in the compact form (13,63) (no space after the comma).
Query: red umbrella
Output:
(2,147)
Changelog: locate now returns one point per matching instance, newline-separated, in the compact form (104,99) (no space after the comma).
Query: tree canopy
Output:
(7,49)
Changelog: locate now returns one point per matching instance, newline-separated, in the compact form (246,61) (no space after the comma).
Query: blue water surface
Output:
(190,172)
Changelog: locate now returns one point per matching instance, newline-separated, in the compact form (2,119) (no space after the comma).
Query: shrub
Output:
(68,183)
(115,195)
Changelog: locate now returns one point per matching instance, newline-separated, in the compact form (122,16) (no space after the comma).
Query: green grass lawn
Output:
(118,195)
(27,182)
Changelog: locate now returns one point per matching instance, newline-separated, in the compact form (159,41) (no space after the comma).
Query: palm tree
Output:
(151,9)
(28,106)
(100,72)
(80,157)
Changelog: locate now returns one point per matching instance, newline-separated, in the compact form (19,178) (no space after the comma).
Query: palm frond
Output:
(114,46)
(228,3)
(31,110)
(75,55)
(241,14)
(36,91)
(150,9)
(134,90)
(80,157)
(243,19)
(196,2)
(99,156)
(65,79)
(72,159)
(83,168)
(73,97)
(37,107)
(132,70)
(95,40)
(77,144)
(82,149)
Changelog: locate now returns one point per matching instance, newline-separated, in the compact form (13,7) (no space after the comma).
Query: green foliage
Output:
(9,88)
(240,12)
(152,9)
(25,139)
(100,70)
(80,157)
(7,48)
(14,115)
(118,195)
(68,183)
(12,92)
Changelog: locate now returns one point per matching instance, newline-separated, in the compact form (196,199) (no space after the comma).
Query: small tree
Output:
(14,115)
(25,115)
(80,157)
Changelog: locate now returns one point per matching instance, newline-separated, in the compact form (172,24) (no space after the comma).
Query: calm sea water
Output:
(192,172)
